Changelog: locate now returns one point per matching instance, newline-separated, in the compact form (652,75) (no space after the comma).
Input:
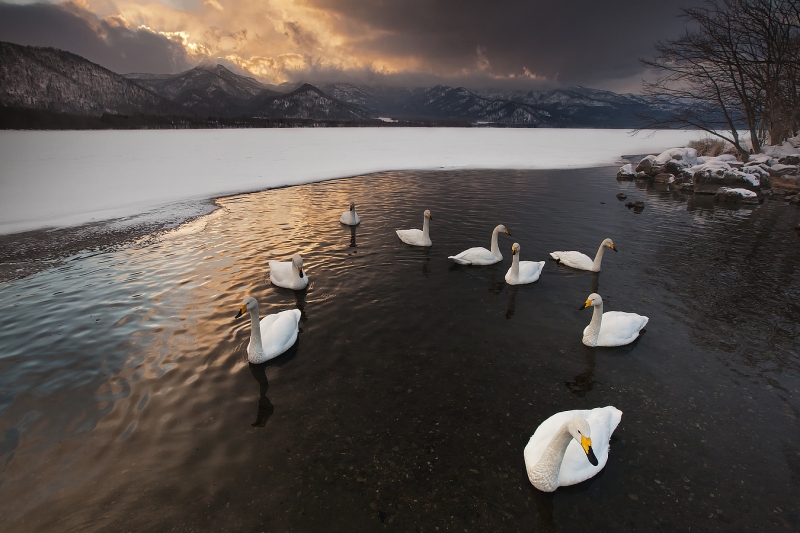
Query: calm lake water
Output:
(127,403)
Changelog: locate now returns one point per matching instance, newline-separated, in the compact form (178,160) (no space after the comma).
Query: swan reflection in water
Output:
(584,382)
(512,301)
(353,236)
(265,407)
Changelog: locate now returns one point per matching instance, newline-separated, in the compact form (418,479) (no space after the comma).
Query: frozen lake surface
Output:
(54,178)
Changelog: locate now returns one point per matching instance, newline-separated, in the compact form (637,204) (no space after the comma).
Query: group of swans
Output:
(561,451)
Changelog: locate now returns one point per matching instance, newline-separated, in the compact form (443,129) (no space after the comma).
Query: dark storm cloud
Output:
(573,41)
(107,43)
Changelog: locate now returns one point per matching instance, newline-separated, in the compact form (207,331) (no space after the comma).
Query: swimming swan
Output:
(273,336)
(288,274)
(522,272)
(583,261)
(350,217)
(415,237)
(570,447)
(482,256)
(613,328)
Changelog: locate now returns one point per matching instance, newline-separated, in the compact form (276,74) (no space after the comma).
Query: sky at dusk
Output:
(507,44)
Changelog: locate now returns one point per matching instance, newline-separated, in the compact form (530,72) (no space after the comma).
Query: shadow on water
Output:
(512,301)
(584,382)
(265,407)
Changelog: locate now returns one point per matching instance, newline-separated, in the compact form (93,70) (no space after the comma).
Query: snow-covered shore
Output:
(54,178)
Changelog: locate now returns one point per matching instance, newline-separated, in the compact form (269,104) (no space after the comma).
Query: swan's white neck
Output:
(544,474)
(426,227)
(593,330)
(295,274)
(515,266)
(255,346)
(495,248)
(598,259)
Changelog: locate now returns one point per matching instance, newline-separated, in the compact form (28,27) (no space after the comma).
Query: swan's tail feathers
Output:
(458,260)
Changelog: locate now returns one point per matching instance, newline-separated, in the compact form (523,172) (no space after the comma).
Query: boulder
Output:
(725,194)
(642,175)
(792,159)
(778,170)
(646,164)
(686,157)
(786,184)
(664,178)
(626,172)
(710,177)
(621,196)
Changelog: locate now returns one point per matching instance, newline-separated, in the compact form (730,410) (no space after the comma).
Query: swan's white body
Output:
(583,261)
(553,456)
(614,328)
(350,217)
(522,272)
(482,256)
(273,335)
(288,274)
(415,237)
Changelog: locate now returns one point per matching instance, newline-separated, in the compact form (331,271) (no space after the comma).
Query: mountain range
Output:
(54,81)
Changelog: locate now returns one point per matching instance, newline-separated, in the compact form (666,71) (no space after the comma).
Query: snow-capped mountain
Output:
(205,90)
(54,80)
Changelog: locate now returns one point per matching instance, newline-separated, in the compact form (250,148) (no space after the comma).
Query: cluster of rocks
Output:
(774,172)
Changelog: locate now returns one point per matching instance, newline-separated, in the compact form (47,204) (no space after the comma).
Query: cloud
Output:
(110,42)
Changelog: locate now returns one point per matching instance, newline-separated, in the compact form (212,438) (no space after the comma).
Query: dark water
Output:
(127,403)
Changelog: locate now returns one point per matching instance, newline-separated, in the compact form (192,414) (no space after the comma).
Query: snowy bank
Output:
(54,178)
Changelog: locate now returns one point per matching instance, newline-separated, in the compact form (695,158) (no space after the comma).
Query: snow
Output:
(685,156)
(720,166)
(55,178)
(744,193)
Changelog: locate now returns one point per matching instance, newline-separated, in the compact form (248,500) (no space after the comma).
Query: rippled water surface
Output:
(127,403)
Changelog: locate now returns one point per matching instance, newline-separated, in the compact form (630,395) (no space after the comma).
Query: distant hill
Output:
(54,81)
(57,81)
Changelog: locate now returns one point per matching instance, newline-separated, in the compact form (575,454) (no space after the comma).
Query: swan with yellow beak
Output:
(288,274)
(570,447)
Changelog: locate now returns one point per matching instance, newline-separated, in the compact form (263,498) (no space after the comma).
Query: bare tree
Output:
(734,73)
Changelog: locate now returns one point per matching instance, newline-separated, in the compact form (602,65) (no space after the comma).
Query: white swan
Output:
(288,274)
(583,261)
(482,256)
(570,447)
(613,328)
(273,335)
(522,272)
(415,237)
(350,217)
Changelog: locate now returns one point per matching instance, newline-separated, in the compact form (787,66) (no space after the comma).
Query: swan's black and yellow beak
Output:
(513,251)
(430,217)
(613,248)
(508,232)
(242,310)
(586,444)
(300,271)
(586,305)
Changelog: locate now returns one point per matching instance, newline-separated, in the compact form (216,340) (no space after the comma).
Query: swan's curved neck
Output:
(515,265)
(426,227)
(295,274)
(593,330)
(545,472)
(495,249)
(255,333)
(598,259)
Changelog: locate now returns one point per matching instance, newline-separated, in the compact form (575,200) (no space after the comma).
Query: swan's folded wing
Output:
(279,332)
(474,256)
(529,271)
(573,259)
(619,329)
(576,466)
(280,272)
(410,236)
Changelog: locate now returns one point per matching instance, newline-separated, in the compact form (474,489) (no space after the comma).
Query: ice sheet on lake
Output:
(55,178)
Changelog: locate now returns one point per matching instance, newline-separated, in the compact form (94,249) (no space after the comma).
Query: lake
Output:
(127,403)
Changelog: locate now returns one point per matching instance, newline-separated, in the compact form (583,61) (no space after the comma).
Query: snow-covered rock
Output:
(686,157)
(716,173)
(626,172)
(725,194)
(646,164)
